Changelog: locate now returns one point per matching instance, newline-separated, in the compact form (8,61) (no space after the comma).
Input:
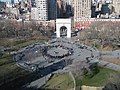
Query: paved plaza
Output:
(60,55)
(59,50)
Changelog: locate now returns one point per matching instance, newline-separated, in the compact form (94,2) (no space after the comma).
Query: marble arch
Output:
(63,23)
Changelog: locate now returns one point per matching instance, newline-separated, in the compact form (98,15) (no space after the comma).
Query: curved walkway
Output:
(70,73)
(110,54)
(109,65)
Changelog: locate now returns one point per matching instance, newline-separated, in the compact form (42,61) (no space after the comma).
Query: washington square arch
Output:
(63,28)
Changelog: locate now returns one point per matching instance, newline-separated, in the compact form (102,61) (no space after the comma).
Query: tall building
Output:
(60,9)
(116,5)
(52,7)
(68,8)
(82,9)
(69,2)
(12,1)
(33,3)
(34,13)
(42,9)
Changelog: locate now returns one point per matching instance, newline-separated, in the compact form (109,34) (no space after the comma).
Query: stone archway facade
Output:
(63,22)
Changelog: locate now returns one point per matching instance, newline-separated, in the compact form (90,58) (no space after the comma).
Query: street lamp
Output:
(23,19)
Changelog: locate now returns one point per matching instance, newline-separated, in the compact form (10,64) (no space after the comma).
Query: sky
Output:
(6,0)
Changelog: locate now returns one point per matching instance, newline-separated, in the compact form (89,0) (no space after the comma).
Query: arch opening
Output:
(63,28)
(63,31)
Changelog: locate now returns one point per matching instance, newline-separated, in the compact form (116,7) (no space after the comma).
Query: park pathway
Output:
(70,73)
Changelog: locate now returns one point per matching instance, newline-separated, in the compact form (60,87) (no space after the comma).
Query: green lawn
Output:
(18,44)
(99,79)
(61,82)
(9,70)
(24,44)
(5,59)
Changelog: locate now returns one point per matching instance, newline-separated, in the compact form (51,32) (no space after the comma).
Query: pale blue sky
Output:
(6,0)
(10,0)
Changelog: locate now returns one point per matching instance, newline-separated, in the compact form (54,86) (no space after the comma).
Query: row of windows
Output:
(42,13)
(45,9)
(42,2)
(42,6)
(43,18)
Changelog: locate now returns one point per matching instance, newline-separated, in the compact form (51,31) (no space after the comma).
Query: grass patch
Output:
(61,82)
(100,79)
(6,59)
(22,45)
(9,70)
(18,44)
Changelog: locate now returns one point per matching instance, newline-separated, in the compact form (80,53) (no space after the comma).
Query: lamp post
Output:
(23,19)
